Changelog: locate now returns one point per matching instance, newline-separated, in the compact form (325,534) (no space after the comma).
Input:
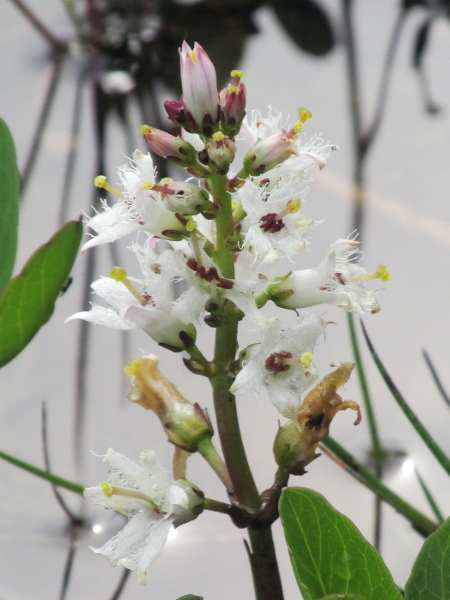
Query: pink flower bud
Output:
(168,146)
(270,152)
(199,83)
(232,101)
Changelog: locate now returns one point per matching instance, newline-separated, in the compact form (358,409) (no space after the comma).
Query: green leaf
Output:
(190,597)
(328,553)
(9,204)
(344,597)
(430,576)
(29,299)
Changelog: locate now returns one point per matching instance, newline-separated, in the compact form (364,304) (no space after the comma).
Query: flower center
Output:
(283,360)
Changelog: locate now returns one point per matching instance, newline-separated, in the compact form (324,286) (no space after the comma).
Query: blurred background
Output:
(374,76)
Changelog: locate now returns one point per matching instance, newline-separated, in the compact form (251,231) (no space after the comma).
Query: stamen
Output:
(193,55)
(191,226)
(111,490)
(120,275)
(218,136)
(304,114)
(237,75)
(297,128)
(381,273)
(100,181)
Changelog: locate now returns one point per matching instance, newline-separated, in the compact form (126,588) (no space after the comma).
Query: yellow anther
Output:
(306,359)
(293,205)
(304,114)
(218,136)
(298,126)
(193,55)
(145,129)
(147,185)
(133,368)
(101,182)
(106,488)
(118,274)
(383,273)
(237,73)
(232,89)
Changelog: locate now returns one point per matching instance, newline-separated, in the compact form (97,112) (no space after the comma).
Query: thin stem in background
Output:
(434,448)
(362,142)
(422,524)
(436,378)
(74,519)
(363,139)
(69,562)
(433,505)
(57,44)
(121,585)
(69,170)
(377,448)
(55,78)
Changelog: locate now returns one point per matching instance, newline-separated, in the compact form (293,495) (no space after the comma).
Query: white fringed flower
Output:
(337,281)
(151,501)
(138,207)
(273,226)
(148,304)
(282,363)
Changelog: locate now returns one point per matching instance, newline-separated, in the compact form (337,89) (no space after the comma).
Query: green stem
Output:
(375,438)
(377,449)
(434,448)
(244,486)
(431,501)
(59,481)
(263,561)
(216,506)
(207,450)
(420,522)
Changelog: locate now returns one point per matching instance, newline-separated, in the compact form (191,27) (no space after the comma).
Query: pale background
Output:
(408,228)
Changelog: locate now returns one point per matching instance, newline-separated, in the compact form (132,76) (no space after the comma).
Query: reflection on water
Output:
(406,226)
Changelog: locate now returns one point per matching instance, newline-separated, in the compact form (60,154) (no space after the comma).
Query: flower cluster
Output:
(212,237)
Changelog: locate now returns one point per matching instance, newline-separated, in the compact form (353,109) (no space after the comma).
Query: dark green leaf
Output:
(29,299)
(307,24)
(9,205)
(430,576)
(190,597)
(328,553)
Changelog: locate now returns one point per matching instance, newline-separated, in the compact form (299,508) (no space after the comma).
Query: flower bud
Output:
(271,151)
(168,146)
(296,442)
(232,102)
(186,198)
(186,425)
(221,151)
(192,505)
(200,98)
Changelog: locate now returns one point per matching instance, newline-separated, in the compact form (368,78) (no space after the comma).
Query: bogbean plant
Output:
(223,231)
(220,232)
